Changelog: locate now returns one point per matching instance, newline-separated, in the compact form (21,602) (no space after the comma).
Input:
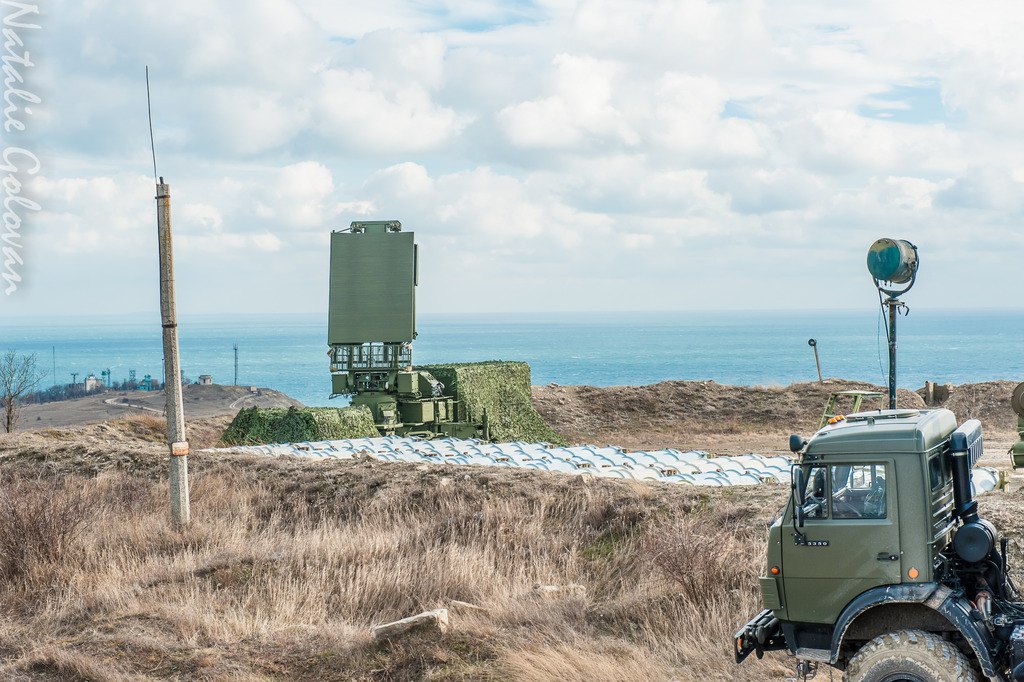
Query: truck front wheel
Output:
(909,656)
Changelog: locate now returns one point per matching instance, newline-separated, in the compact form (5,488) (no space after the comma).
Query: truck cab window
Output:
(815,494)
(858,491)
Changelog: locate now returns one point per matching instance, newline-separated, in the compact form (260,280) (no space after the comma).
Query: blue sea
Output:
(288,352)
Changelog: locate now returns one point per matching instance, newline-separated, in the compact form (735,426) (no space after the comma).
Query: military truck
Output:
(880,564)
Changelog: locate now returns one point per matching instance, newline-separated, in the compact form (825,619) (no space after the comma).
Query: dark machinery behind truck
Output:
(880,564)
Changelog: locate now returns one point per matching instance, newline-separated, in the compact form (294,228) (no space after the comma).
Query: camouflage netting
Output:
(258,426)
(503,389)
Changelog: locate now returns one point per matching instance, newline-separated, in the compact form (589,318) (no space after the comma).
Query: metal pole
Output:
(236,364)
(180,512)
(814,344)
(893,304)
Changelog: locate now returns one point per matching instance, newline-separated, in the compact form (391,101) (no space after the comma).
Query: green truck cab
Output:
(880,564)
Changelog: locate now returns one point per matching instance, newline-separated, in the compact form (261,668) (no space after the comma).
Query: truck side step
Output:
(819,655)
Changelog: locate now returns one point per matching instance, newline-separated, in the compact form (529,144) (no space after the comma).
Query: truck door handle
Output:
(886,556)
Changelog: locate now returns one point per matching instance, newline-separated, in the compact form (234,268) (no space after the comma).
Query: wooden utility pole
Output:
(180,512)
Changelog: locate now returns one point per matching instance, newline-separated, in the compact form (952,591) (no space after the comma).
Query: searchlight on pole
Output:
(893,265)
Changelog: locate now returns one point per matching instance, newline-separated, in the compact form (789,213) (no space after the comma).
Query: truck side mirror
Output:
(799,485)
(798,494)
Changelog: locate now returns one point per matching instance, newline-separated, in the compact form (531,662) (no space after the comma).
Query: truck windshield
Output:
(858,491)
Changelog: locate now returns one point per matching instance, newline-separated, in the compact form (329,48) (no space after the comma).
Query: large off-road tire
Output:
(909,656)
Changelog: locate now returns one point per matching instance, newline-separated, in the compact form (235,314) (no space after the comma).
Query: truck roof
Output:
(883,432)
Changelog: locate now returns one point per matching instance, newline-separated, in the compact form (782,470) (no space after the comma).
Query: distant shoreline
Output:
(153,316)
(768,349)
(681,413)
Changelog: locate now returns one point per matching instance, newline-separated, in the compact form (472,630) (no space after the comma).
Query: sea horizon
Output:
(287,352)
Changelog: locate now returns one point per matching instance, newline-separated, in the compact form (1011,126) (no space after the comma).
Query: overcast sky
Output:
(549,155)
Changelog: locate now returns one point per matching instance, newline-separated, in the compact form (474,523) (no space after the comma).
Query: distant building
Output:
(92,383)
(205,379)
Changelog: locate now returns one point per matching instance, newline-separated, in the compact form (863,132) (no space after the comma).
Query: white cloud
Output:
(833,141)
(358,112)
(92,215)
(248,121)
(228,243)
(267,242)
(762,190)
(686,118)
(579,110)
(402,58)
(403,179)
(986,189)
(910,194)
(481,210)
(300,196)
(557,150)
(203,217)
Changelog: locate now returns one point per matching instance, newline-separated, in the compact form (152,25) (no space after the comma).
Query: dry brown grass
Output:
(685,413)
(152,428)
(146,426)
(40,522)
(287,564)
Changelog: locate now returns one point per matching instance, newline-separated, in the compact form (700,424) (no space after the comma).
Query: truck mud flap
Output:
(762,633)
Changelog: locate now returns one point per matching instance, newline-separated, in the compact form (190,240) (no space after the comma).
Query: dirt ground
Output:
(699,415)
(705,415)
(200,402)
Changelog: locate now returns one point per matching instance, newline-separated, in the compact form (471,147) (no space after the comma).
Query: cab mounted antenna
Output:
(893,265)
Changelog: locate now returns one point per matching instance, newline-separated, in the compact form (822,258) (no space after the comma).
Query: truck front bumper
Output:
(762,633)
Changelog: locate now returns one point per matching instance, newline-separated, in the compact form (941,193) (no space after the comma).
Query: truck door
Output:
(850,541)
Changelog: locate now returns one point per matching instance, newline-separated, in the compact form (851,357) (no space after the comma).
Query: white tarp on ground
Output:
(695,467)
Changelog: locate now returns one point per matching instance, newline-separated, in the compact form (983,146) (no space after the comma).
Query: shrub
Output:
(704,558)
(40,521)
(146,426)
(258,425)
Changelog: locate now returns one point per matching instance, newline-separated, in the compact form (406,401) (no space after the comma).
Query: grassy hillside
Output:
(288,563)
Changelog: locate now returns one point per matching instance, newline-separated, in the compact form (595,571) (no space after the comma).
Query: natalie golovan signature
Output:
(16,162)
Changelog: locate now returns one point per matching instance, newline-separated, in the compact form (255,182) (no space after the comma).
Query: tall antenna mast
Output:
(176,440)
